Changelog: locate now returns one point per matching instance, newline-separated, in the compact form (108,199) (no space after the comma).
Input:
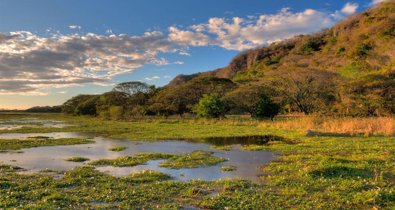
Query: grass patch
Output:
(320,172)
(77,159)
(148,176)
(228,168)
(221,147)
(118,148)
(14,144)
(138,159)
(192,160)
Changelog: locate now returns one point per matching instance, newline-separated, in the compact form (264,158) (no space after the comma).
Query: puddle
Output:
(13,124)
(53,157)
(55,135)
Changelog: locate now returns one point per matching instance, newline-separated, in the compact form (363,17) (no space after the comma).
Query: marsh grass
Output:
(137,159)
(192,160)
(16,144)
(222,147)
(77,159)
(228,168)
(148,176)
(117,149)
(319,172)
(375,126)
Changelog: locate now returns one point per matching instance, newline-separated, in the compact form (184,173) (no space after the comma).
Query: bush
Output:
(210,106)
(311,46)
(266,108)
(116,112)
(362,50)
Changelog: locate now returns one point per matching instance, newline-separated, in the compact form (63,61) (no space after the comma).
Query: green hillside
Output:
(356,57)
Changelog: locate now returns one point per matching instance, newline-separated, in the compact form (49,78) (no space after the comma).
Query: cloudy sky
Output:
(51,50)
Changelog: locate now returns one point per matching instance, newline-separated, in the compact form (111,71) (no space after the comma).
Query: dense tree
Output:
(111,104)
(265,108)
(245,98)
(133,87)
(87,107)
(210,106)
(181,99)
(69,107)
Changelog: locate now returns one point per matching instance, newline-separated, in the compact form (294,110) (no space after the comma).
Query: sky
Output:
(52,50)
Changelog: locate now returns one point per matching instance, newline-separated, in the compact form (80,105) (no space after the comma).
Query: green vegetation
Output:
(77,159)
(318,172)
(118,148)
(228,168)
(15,144)
(192,160)
(148,176)
(266,108)
(137,159)
(210,106)
(222,147)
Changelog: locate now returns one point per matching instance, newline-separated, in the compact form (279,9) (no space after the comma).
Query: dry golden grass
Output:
(376,126)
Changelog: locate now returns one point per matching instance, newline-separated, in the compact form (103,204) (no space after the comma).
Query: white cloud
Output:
(29,63)
(245,33)
(74,27)
(350,8)
(152,78)
(191,38)
(178,62)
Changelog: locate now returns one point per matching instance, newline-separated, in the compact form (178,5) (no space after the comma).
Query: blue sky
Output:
(53,50)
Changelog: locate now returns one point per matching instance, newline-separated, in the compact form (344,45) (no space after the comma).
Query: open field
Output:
(323,171)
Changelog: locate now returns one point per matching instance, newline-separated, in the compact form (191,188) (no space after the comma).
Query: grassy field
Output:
(332,169)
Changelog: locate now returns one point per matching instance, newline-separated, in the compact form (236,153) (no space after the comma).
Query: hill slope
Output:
(361,44)
(354,61)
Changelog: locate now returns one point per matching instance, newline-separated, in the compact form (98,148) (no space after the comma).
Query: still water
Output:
(248,163)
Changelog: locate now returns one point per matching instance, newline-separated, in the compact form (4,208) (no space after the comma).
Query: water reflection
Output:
(248,163)
(12,124)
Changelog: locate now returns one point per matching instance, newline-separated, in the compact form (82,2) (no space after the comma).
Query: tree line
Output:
(211,97)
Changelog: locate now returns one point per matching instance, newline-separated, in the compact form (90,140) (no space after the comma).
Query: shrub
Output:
(311,46)
(362,50)
(116,112)
(341,50)
(210,106)
(266,108)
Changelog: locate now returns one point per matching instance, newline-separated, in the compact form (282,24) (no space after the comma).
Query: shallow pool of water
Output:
(12,124)
(248,163)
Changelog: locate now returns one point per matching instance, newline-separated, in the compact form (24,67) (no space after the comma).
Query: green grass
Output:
(77,159)
(314,173)
(155,129)
(118,148)
(148,176)
(222,147)
(15,144)
(137,159)
(228,168)
(192,160)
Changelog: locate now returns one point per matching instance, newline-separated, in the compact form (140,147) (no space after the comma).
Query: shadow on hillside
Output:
(342,172)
